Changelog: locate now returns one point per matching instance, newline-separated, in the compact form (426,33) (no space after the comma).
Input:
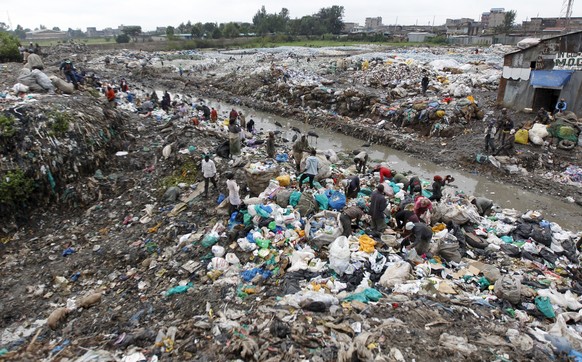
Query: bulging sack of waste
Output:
(339,255)
(522,136)
(395,274)
(537,134)
(508,287)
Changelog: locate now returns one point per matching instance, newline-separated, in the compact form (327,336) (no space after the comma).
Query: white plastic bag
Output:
(300,259)
(339,255)
(232,259)
(395,274)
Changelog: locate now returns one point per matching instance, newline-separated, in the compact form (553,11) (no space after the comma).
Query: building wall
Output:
(519,94)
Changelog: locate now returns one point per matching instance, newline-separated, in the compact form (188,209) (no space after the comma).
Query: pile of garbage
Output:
(154,270)
(55,142)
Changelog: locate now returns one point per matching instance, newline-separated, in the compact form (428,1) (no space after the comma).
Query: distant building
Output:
(493,18)
(92,32)
(463,26)
(542,25)
(46,34)
(373,23)
(542,73)
(419,37)
(348,27)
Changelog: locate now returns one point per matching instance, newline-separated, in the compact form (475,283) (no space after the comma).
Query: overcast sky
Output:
(149,14)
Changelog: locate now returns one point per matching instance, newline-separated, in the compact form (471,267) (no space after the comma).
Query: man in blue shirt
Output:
(561,106)
(311,168)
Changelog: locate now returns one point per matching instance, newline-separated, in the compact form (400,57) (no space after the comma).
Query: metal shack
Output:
(542,73)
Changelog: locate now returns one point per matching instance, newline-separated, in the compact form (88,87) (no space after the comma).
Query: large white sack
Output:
(537,134)
(396,273)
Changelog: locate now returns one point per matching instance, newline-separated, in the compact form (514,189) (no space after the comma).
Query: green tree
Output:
(197,30)
(4,26)
(56,28)
(132,31)
(260,21)
(332,18)
(19,32)
(123,38)
(246,28)
(170,31)
(509,20)
(9,48)
(231,30)
(42,27)
(271,23)
(209,28)
(216,33)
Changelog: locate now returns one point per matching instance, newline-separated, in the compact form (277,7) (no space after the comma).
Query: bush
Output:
(15,187)
(60,122)
(9,48)
(122,38)
(7,129)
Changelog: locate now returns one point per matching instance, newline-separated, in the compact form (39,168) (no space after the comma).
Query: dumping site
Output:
(180,206)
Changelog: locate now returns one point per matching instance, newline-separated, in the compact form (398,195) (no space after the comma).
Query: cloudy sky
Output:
(149,14)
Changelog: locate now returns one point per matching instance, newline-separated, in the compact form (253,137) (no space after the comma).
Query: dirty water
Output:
(564,213)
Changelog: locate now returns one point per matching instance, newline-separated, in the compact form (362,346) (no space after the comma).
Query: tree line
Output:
(326,21)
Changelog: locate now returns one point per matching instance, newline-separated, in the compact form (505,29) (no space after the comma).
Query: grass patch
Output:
(60,122)
(7,129)
(15,187)
(185,174)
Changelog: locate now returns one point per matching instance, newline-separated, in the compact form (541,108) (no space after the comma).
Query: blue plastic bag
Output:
(337,200)
(220,199)
(248,275)
(282,157)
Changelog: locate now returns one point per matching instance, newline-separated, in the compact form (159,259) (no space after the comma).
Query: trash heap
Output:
(517,266)
(54,142)
(155,271)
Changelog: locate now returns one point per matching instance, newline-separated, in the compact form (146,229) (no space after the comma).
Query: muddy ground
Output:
(133,264)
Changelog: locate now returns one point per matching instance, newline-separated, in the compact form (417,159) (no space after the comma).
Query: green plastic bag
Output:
(323,201)
(178,289)
(209,240)
(263,243)
(294,198)
(544,305)
(368,295)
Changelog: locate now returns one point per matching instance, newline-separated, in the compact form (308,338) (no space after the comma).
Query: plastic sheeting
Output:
(550,78)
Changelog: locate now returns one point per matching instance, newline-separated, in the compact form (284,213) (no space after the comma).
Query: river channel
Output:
(566,214)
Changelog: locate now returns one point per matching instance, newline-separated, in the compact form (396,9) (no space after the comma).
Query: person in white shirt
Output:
(233,193)
(209,173)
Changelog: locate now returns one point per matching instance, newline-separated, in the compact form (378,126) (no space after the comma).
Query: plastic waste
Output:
(68,251)
(248,275)
(178,289)
(396,273)
(210,239)
(544,305)
(508,287)
(368,295)
(300,259)
(367,244)
(339,255)
(218,251)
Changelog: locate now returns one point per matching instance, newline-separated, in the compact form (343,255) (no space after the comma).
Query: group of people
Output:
(500,133)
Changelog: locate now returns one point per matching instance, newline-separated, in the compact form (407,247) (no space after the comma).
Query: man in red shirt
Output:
(213,115)
(385,173)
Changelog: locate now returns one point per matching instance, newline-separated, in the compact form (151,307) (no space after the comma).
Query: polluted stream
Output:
(566,214)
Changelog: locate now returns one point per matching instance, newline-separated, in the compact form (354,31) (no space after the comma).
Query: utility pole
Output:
(566,14)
